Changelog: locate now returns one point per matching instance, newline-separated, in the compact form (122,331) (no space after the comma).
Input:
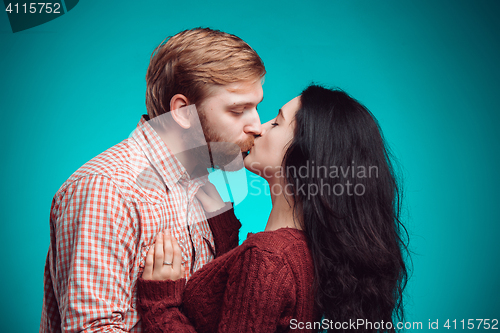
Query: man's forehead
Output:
(244,87)
(240,92)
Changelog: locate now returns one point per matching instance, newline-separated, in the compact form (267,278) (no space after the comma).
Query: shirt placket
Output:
(185,185)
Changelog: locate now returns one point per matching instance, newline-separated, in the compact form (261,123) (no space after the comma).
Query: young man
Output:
(106,215)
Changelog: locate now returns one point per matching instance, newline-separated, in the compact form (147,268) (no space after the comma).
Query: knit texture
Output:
(225,229)
(258,286)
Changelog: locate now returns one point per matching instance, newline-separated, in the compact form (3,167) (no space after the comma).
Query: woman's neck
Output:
(282,214)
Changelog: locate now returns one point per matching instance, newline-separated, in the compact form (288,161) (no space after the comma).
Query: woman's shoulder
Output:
(284,250)
(277,242)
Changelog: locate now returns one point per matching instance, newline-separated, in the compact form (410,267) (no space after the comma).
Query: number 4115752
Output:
(472,324)
(34,8)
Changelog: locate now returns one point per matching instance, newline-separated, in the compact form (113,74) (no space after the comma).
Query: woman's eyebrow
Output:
(281,113)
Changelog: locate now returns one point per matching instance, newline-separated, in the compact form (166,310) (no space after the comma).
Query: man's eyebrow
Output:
(237,105)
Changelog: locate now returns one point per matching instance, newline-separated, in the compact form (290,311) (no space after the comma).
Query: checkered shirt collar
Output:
(159,155)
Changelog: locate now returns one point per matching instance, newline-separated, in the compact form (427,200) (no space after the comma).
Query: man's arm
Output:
(92,250)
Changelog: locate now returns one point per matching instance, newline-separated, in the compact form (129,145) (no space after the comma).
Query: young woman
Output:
(331,253)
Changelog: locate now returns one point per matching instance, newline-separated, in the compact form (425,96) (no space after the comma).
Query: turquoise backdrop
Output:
(428,70)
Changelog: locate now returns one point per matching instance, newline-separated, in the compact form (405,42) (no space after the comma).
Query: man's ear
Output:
(180,112)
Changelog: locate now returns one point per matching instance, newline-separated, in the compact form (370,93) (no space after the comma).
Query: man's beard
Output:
(222,154)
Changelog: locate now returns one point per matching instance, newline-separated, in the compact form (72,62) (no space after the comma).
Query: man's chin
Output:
(227,161)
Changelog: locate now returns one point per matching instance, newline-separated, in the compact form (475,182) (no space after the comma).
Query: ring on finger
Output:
(167,263)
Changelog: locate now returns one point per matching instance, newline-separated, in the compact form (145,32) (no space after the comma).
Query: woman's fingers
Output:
(158,255)
(178,267)
(210,190)
(164,259)
(202,196)
(148,268)
(167,248)
(209,198)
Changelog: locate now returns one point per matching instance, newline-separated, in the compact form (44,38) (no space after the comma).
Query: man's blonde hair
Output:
(192,61)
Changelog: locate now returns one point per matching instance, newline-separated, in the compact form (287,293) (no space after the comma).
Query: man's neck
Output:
(172,138)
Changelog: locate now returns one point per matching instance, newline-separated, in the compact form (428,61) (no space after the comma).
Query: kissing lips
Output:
(245,149)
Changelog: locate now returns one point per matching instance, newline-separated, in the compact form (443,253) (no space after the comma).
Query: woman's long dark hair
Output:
(350,204)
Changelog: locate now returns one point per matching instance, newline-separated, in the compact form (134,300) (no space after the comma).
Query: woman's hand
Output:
(209,198)
(164,259)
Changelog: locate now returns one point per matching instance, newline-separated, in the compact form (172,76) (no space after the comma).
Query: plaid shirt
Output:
(102,222)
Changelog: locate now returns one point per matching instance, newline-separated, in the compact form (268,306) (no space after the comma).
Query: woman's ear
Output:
(179,110)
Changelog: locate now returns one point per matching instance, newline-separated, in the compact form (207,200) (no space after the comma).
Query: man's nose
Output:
(253,127)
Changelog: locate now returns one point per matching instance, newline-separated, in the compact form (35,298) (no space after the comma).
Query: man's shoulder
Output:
(125,166)
(108,162)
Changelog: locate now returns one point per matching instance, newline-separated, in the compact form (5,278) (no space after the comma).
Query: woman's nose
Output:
(266,127)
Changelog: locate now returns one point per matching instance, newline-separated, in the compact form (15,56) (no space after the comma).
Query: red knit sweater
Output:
(258,286)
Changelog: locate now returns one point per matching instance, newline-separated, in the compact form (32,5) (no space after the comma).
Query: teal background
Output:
(428,70)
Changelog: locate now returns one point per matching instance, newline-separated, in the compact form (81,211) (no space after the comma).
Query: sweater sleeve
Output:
(225,229)
(259,297)
(260,294)
(158,304)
